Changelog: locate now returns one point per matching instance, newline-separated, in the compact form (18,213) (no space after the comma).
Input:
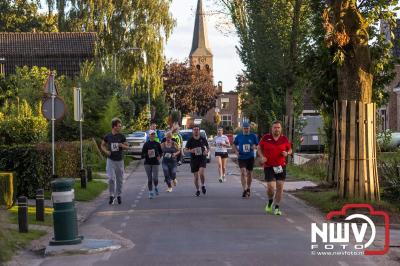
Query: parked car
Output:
(136,141)
(311,137)
(392,144)
(186,135)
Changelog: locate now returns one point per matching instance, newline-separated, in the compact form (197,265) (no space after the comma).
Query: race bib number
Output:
(151,153)
(278,169)
(114,147)
(246,147)
(198,151)
(219,144)
(168,155)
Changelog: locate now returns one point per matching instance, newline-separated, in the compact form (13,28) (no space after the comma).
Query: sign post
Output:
(52,109)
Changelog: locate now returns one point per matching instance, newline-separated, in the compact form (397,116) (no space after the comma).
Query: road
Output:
(220,228)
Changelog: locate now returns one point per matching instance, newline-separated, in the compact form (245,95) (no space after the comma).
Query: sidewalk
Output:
(84,211)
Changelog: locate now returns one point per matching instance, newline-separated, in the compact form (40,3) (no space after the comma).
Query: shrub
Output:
(32,164)
(14,130)
(6,189)
(390,179)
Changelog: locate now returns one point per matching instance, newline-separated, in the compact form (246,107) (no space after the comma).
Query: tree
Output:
(121,26)
(192,89)
(348,27)
(23,16)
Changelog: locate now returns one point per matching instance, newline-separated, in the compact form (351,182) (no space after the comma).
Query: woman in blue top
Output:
(245,145)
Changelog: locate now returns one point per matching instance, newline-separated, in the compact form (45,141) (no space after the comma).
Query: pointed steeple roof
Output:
(200,45)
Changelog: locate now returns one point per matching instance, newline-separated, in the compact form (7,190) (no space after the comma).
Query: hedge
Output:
(32,164)
(6,189)
(23,130)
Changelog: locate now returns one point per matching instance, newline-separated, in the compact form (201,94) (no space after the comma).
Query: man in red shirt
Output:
(273,150)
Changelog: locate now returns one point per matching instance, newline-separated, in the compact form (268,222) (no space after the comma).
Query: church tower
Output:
(200,54)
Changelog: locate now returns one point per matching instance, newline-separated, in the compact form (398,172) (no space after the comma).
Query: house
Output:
(389,115)
(60,51)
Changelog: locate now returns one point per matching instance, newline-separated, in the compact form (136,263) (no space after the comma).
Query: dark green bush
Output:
(32,164)
(390,179)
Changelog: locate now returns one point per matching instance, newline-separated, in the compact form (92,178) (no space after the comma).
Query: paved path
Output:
(220,228)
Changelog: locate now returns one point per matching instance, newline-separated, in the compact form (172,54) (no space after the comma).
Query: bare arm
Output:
(124,145)
(104,148)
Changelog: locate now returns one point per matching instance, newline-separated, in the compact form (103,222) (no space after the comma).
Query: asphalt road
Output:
(219,228)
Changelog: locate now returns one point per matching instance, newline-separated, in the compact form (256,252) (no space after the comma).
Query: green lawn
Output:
(48,216)
(92,190)
(389,156)
(315,171)
(15,241)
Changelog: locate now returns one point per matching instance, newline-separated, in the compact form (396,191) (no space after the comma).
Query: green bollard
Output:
(64,214)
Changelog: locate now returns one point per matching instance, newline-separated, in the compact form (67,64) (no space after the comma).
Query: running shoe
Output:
(151,194)
(169,189)
(175,182)
(197,193)
(223,178)
(203,189)
(119,199)
(220,179)
(156,190)
(268,208)
(244,195)
(248,192)
(277,211)
(111,201)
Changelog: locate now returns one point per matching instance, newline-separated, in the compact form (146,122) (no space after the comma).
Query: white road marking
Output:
(127,217)
(300,228)
(263,198)
(106,256)
(138,197)
(290,220)
(131,211)
(120,232)
(136,201)
(227,263)
(342,263)
(133,205)
(123,225)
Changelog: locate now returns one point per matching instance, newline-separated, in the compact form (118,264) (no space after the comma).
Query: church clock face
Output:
(202,59)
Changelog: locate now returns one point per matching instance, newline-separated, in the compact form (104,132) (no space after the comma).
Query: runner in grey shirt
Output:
(112,145)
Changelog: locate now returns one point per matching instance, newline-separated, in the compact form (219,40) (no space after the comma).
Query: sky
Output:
(227,63)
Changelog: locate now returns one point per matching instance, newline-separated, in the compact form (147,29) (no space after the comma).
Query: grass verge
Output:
(328,200)
(92,191)
(48,216)
(13,241)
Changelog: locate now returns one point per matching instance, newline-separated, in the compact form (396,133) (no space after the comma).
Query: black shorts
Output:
(271,176)
(197,163)
(223,155)
(246,163)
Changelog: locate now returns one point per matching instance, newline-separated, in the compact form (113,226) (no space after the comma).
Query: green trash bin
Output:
(64,215)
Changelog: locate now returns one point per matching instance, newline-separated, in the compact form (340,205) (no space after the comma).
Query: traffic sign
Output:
(59,108)
(49,86)
(78,105)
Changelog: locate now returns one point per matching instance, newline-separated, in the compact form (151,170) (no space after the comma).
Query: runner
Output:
(152,153)
(244,146)
(178,139)
(198,147)
(221,143)
(153,127)
(112,145)
(273,150)
(170,151)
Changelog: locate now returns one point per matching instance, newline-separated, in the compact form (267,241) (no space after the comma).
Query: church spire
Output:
(200,54)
